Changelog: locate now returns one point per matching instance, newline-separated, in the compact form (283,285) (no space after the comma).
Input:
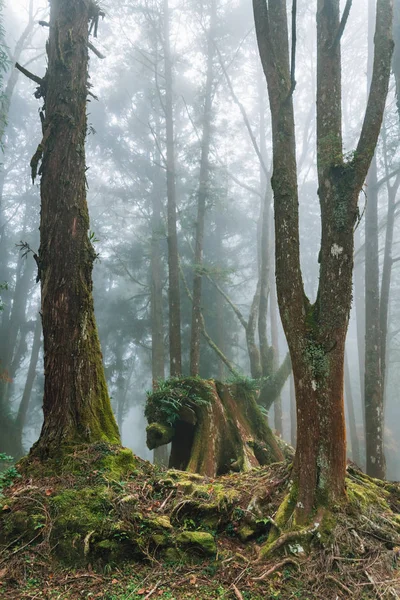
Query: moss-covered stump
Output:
(208,528)
(214,428)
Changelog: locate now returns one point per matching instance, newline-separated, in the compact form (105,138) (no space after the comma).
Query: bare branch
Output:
(342,25)
(95,51)
(30,75)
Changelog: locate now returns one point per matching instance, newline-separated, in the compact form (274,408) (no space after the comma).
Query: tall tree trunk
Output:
(316,333)
(355,444)
(76,404)
(30,379)
(175,353)
(373,398)
(278,422)
(293,418)
(202,195)
(375,458)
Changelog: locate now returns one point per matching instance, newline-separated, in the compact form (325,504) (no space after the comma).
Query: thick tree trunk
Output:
(202,195)
(175,353)
(76,404)
(217,428)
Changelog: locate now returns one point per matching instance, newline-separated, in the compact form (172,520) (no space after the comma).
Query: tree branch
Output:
(342,25)
(30,75)
(95,51)
(378,91)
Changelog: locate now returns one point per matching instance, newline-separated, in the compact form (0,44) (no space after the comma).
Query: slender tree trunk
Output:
(373,399)
(375,458)
(202,197)
(175,354)
(157,320)
(355,444)
(359,300)
(30,379)
(76,404)
(278,421)
(293,419)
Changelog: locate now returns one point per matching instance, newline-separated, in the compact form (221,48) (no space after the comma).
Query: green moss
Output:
(245,533)
(158,434)
(364,495)
(197,542)
(119,465)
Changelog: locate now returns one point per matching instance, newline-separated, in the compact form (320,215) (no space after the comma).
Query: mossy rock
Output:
(197,542)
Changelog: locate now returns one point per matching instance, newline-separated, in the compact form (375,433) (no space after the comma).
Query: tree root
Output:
(279,565)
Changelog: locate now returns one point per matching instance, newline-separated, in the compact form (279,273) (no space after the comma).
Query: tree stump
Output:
(214,428)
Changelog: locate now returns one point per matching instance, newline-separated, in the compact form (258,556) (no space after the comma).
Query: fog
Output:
(126,159)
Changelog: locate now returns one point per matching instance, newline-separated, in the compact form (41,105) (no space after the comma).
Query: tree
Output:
(76,404)
(316,332)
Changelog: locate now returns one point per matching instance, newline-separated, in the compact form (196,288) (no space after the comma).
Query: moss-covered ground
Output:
(111,526)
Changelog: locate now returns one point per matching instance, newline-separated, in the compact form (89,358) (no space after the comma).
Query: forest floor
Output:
(172,535)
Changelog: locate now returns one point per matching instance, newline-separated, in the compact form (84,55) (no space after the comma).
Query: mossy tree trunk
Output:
(218,428)
(76,404)
(316,333)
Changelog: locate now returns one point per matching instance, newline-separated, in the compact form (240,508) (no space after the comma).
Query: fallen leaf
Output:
(141,592)
(6,507)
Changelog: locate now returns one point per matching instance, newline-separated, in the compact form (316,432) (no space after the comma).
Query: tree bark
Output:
(316,333)
(202,195)
(175,353)
(373,398)
(76,404)
(224,432)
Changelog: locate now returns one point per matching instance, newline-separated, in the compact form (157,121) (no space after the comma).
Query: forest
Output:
(199,299)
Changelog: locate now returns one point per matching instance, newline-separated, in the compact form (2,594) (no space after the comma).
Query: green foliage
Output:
(164,404)
(92,237)
(247,384)
(9,474)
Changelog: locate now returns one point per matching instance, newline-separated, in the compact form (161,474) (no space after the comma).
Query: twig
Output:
(165,501)
(237,593)
(343,587)
(151,592)
(278,565)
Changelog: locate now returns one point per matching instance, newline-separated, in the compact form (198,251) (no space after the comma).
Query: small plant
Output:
(92,237)
(164,404)
(8,475)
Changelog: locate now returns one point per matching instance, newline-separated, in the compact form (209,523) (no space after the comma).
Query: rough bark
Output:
(202,197)
(316,333)
(217,428)
(76,404)
(175,353)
